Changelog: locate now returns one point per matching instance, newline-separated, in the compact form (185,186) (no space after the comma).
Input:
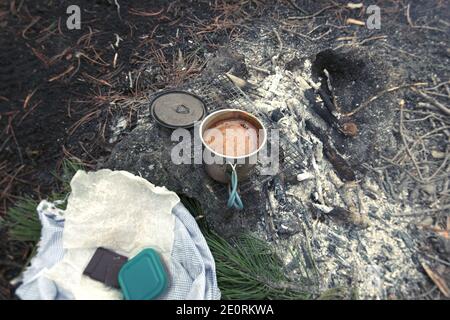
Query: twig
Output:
(306,36)
(280,50)
(438,85)
(366,103)
(28,98)
(440,167)
(144,14)
(86,118)
(412,25)
(4,143)
(81,54)
(29,111)
(405,143)
(355,22)
(436,103)
(436,259)
(371,38)
(312,15)
(394,159)
(40,56)
(268,216)
(101,81)
(333,107)
(423,295)
(400,50)
(340,164)
(116,2)
(62,74)
(292,3)
(17,145)
(35,20)
(258,69)
(115,60)
(438,280)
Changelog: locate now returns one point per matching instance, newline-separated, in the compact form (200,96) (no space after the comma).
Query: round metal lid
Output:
(177,109)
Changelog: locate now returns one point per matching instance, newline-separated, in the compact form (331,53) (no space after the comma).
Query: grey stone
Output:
(146,151)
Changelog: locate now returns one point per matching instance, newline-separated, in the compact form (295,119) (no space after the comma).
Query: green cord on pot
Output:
(234,199)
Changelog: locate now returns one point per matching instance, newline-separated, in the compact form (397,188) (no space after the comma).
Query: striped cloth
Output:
(191,268)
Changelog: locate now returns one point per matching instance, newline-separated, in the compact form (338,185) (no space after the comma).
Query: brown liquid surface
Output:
(232,138)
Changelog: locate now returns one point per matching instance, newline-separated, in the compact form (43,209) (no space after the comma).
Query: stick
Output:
(280,42)
(116,2)
(410,22)
(366,103)
(438,280)
(304,36)
(258,69)
(405,143)
(268,216)
(340,165)
(29,26)
(436,103)
(292,3)
(312,15)
(355,22)
(438,85)
(400,50)
(347,128)
(28,98)
(62,74)
(333,107)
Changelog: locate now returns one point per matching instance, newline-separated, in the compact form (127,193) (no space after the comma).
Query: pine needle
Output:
(22,221)
(248,268)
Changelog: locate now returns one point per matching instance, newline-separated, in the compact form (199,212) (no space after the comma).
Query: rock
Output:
(147,151)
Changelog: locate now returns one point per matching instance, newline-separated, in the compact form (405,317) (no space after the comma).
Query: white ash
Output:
(119,125)
(373,253)
(304,176)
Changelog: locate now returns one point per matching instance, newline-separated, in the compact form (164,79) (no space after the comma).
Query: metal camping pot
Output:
(221,170)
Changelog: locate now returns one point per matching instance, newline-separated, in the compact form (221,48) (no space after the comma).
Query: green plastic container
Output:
(143,277)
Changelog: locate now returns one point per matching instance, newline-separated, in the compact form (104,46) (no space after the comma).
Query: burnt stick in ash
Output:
(340,165)
(328,112)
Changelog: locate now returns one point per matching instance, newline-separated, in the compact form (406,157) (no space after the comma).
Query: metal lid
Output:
(177,109)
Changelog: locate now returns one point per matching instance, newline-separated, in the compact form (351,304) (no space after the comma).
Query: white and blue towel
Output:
(191,266)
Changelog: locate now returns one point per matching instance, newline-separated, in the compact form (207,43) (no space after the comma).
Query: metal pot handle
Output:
(234,199)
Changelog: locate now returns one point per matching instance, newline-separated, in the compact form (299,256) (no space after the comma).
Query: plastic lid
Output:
(143,277)
(177,109)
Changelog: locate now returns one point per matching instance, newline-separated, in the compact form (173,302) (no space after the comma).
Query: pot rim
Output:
(239,111)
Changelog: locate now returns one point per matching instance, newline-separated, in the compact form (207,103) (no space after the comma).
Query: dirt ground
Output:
(62,91)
